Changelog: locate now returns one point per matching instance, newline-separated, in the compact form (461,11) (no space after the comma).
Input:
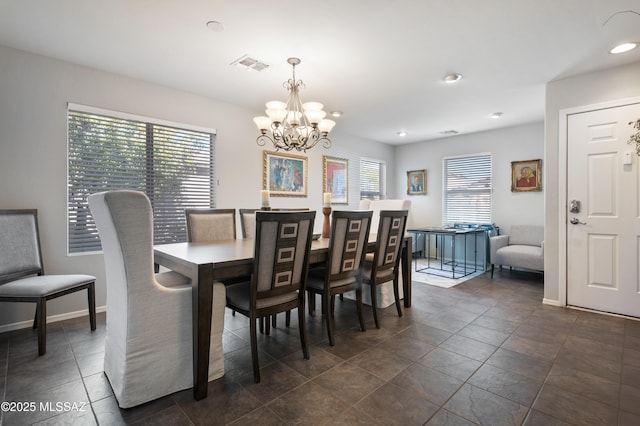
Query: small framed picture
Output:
(335,179)
(284,175)
(417,182)
(526,175)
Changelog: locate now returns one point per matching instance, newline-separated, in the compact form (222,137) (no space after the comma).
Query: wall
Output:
(587,89)
(34,91)
(523,142)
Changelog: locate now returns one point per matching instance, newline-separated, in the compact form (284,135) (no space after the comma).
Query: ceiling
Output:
(380,62)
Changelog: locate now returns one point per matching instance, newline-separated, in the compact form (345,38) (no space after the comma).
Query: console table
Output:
(455,266)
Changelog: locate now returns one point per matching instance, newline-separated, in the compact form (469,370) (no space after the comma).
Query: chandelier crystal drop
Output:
(294,125)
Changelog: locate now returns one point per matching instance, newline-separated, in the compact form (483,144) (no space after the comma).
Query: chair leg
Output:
(374,304)
(359,307)
(41,314)
(254,349)
(311,296)
(492,268)
(287,318)
(267,326)
(261,328)
(303,328)
(91,296)
(396,294)
(274,321)
(328,316)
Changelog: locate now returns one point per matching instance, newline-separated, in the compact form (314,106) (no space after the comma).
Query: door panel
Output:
(603,238)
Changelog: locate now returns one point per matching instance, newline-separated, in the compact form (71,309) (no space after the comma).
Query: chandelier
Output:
(294,125)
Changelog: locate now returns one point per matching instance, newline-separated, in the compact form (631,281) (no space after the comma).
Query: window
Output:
(371,179)
(466,189)
(173,165)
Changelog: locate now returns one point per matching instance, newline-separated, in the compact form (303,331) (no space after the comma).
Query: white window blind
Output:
(466,189)
(173,166)
(372,179)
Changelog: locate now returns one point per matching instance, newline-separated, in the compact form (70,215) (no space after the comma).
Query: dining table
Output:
(206,262)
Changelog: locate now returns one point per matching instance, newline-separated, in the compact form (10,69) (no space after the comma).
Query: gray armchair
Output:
(522,248)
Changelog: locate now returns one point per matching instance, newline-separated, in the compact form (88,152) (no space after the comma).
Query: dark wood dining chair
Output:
(385,264)
(343,271)
(22,277)
(210,224)
(279,277)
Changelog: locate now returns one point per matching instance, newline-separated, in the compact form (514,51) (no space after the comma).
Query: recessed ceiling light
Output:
(452,78)
(215,26)
(496,115)
(402,133)
(336,113)
(624,47)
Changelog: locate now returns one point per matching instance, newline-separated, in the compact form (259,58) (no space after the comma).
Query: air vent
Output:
(449,132)
(250,63)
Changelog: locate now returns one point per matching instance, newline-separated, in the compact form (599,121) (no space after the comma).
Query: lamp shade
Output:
(315,116)
(262,122)
(277,115)
(326,125)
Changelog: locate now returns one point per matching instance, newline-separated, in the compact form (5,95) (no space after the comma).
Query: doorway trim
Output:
(563,157)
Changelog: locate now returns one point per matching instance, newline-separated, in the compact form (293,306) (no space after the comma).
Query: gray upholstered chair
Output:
(148,345)
(523,247)
(22,277)
(279,278)
(248,222)
(343,271)
(210,224)
(385,264)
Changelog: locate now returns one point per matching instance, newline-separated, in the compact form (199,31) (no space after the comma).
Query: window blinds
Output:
(371,179)
(173,166)
(467,189)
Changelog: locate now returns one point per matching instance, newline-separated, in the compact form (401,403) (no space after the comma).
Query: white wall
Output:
(587,89)
(525,142)
(34,91)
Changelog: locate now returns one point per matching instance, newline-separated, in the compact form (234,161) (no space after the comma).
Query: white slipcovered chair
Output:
(148,345)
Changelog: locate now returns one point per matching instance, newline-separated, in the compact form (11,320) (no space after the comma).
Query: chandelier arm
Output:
(262,139)
(326,142)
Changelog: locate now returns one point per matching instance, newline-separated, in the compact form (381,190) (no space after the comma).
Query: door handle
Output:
(576,221)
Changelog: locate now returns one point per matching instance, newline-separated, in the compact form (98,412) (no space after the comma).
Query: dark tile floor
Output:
(484,352)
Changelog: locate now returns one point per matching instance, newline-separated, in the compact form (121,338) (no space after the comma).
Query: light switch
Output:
(628,158)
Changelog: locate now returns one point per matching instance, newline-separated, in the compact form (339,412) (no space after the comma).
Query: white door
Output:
(603,232)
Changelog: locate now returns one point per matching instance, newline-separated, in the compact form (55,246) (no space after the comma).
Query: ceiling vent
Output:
(250,63)
(449,132)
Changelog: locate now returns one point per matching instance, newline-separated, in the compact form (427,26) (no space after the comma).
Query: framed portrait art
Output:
(284,175)
(335,179)
(416,182)
(526,175)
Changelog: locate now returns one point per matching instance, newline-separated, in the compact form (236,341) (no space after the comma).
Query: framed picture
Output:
(417,182)
(526,175)
(335,179)
(284,175)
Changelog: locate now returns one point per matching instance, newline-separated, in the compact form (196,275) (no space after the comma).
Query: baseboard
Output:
(552,302)
(50,319)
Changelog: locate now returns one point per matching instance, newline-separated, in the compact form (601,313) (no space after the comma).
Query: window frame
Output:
(382,171)
(160,127)
(478,173)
